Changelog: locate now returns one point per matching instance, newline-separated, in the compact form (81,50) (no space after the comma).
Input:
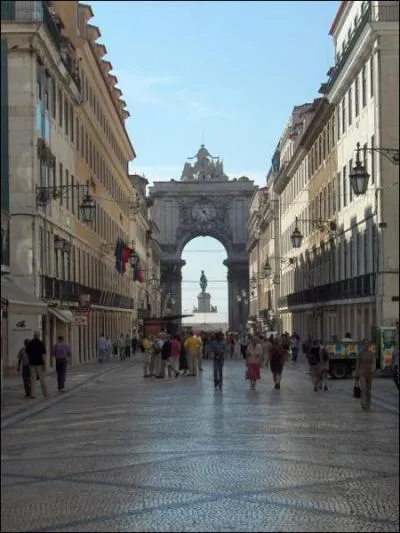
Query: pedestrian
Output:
(102,348)
(199,352)
(314,360)
(294,344)
(109,348)
(121,347)
(159,371)
(134,343)
(243,342)
(183,361)
(192,346)
(23,366)
(36,351)
(323,368)
(61,351)
(218,348)
(254,354)
(277,359)
(365,368)
(128,345)
(146,349)
(173,359)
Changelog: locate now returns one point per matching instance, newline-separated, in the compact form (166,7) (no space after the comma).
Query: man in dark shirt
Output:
(36,350)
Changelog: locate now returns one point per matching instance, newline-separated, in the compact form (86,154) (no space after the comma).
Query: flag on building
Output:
(137,272)
(125,257)
(119,248)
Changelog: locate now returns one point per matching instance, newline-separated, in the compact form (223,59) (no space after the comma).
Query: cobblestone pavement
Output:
(123,453)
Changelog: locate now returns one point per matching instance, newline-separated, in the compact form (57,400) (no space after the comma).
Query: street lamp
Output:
(133,258)
(359,176)
(87,207)
(267,269)
(296,237)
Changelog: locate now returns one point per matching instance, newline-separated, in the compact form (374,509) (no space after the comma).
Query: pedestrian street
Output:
(123,453)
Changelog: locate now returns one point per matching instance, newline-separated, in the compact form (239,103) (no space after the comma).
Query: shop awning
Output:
(62,314)
(15,294)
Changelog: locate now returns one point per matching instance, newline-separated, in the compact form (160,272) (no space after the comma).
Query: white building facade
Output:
(364,87)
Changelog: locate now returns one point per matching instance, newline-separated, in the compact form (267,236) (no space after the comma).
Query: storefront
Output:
(21,317)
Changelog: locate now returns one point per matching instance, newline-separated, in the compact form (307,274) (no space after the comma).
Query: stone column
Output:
(171,282)
(238,280)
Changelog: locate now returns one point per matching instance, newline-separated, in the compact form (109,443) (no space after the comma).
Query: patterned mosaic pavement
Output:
(121,453)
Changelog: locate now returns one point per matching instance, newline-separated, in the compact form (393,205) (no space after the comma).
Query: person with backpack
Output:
(323,368)
(314,360)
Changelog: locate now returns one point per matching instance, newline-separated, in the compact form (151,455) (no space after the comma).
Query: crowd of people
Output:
(182,355)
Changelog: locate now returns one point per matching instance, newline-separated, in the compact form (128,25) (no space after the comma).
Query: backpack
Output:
(313,356)
(325,356)
(156,347)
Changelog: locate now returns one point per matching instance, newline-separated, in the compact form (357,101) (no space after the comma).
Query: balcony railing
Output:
(69,291)
(379,12)
(359,287)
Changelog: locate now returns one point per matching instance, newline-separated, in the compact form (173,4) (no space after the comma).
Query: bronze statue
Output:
(203,282)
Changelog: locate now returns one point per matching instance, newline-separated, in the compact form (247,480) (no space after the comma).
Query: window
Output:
(350,104)
(372,159)
(66,116)
(326,209)
(82,141)
(366,261)
(328,140)
(67,187)
(60,108)
(53,99)
(371,76)
(338,121)
(61,180)
(77,134)
(364,86)
(333,197)
(359,255)
(39,87)
(339,201)
(357,96)
(46,89)
(346,258)
(86,148)
(333,140)
(350,187)
(374,248)
(73,194)
(351,261)
(344,181)
(71,118)
(344,114)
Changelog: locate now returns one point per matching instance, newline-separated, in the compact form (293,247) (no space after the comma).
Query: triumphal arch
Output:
(204,202)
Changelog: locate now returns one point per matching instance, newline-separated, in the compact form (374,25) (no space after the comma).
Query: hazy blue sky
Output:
(228,73)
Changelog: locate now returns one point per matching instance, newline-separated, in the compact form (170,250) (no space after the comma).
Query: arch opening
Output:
(204,285)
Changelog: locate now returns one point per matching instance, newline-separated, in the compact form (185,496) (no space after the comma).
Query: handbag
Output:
(357,389)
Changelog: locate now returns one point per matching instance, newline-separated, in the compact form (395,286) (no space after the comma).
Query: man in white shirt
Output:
(102,347)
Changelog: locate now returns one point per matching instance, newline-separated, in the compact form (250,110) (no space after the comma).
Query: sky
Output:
(224,73)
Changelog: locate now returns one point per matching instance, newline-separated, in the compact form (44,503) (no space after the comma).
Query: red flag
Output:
(125,258)
(139,275)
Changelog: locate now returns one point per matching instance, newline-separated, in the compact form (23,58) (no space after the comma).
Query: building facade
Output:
(64,102)
(145,235)
(343,277)
(363,86)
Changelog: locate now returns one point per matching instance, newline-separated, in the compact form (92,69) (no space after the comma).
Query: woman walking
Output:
(253,356)
(277,359)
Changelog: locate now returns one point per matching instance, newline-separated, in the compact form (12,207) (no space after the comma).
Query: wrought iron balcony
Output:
(69,291)
(359,287)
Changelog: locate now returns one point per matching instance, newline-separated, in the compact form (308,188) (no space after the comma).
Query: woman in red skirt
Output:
(253,361)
